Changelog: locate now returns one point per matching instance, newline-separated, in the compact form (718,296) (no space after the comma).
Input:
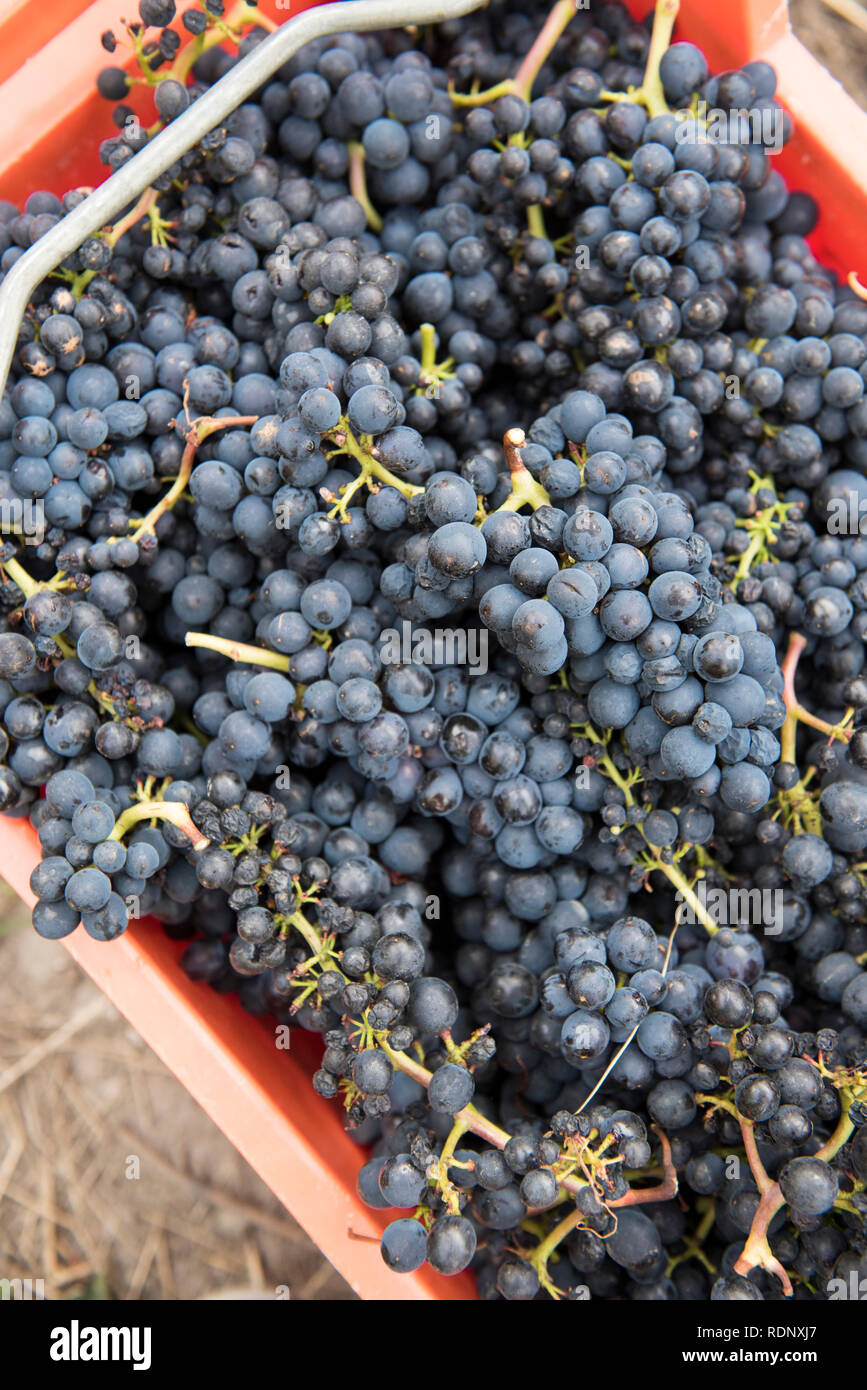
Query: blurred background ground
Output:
(81,1095)
(837,42)
(113,1183)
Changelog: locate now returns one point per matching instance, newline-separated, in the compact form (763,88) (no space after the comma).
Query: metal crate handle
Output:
(124,187)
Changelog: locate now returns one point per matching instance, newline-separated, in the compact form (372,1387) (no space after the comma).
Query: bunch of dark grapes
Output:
(425,538)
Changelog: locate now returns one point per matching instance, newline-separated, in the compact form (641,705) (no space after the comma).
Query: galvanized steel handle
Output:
(122,188)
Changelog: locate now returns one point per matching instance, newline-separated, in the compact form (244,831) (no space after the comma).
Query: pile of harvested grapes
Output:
(439,598)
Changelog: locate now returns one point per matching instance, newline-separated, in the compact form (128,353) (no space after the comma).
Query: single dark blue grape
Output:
(612,705)
(674,596)
(534,571)
(624,614)
(809,1185)
(584,1035)
(450,1088)
(93,821)
(451,1244)
(590,984)
(269,696)
(54,920)
(68,789)
(433,1005)
(808,858)
(400,1183)
(539,1188)
(745,787)
(573,593)
(631,944)
(326,604)
(372,1073)
(319,409)
(735,955)
(661,1036)
(50,877)
(109,856)
(142,859)
(358,699)
(651,983)
(449,497)
(634,520)
(373,410)
(588,535)
(386,143)
(560,829)
(712,722)
(686,755)
(109,921)
(537,625)
(88,890)
(404,1245)
(457,550)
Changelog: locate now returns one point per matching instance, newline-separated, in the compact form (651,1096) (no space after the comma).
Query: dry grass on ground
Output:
(835,41)
(81,1095)
(84,1107)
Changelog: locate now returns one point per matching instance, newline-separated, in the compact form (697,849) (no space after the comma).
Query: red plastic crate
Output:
(51,121)
(26,27)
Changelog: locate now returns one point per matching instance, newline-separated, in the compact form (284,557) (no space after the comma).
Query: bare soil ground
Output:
(835,41)
(113,1183)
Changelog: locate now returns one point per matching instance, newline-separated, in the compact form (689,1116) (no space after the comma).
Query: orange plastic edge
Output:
(827,155)
(26,25)
(261,1098)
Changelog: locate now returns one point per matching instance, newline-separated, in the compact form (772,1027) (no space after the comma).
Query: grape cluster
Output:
(422,546)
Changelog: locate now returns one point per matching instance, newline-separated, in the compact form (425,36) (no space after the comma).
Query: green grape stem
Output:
(240,15)
(800,807)
(159,227)
(238,651)
(427,332)
(364,454)
(539,1258)
(443,1181)
(470,1119)
(536,221)
(432,372)
(143,208)
(175,811)
(477,98)
(309,932)
(687,893)
(358,185)
(526,492)
(531,65)
(199,431)
(546,40)
(628,1040)
(764,530)
(796,713)
(651,93)
(19,576)
(757,1253)
(475,1123)
(230,27)
(693,1243)
(652,860)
